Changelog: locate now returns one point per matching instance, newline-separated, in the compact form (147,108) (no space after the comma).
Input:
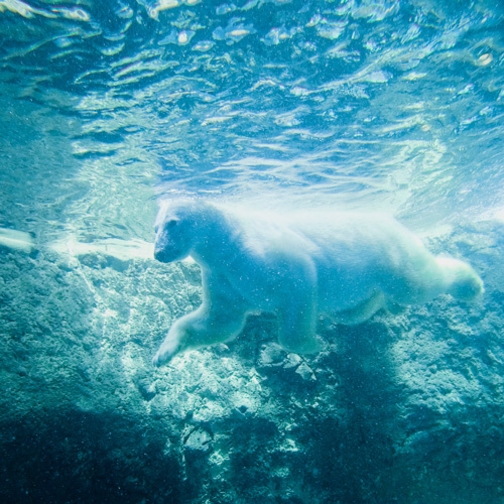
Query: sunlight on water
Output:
(369,105)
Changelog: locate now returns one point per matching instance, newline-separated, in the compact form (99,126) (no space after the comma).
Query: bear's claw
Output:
(165,354)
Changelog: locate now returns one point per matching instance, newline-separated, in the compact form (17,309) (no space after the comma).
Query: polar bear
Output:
(343,266)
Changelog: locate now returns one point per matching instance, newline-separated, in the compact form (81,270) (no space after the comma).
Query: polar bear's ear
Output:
(171,223)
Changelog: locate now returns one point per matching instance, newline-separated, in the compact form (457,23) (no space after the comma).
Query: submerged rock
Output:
(406,408)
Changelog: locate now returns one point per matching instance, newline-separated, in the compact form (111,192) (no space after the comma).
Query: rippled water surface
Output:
(362,104)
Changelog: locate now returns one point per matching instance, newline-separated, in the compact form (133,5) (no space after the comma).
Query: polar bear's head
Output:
(181,226)
(175,232)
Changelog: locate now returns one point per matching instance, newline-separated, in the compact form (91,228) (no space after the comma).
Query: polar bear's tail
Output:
(461,280)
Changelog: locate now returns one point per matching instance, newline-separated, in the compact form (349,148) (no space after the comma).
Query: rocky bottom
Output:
(407,408)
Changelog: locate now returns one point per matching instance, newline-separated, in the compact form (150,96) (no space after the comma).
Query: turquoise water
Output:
(388,104)
(372,105)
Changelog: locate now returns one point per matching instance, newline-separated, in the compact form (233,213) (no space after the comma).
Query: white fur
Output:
(342,266)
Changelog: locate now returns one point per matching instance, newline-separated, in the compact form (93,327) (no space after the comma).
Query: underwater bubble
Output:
(203,45)
(225,9)
(484,59)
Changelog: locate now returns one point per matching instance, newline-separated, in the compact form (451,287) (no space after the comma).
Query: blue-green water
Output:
(373,105)
(387,104)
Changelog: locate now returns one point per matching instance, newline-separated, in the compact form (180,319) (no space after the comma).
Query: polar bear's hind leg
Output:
(419,277)
(462,282)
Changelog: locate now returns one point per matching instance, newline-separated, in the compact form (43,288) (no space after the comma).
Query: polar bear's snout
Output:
(170,246)
(160,255)
(165,250)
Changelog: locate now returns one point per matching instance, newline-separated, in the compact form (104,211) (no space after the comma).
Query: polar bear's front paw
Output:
(165,354)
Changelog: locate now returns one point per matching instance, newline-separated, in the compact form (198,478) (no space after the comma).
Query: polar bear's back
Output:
(345,238)
(342,237)
(360,254)
(353,254)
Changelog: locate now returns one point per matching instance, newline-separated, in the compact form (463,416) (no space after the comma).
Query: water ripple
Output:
(362,103)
